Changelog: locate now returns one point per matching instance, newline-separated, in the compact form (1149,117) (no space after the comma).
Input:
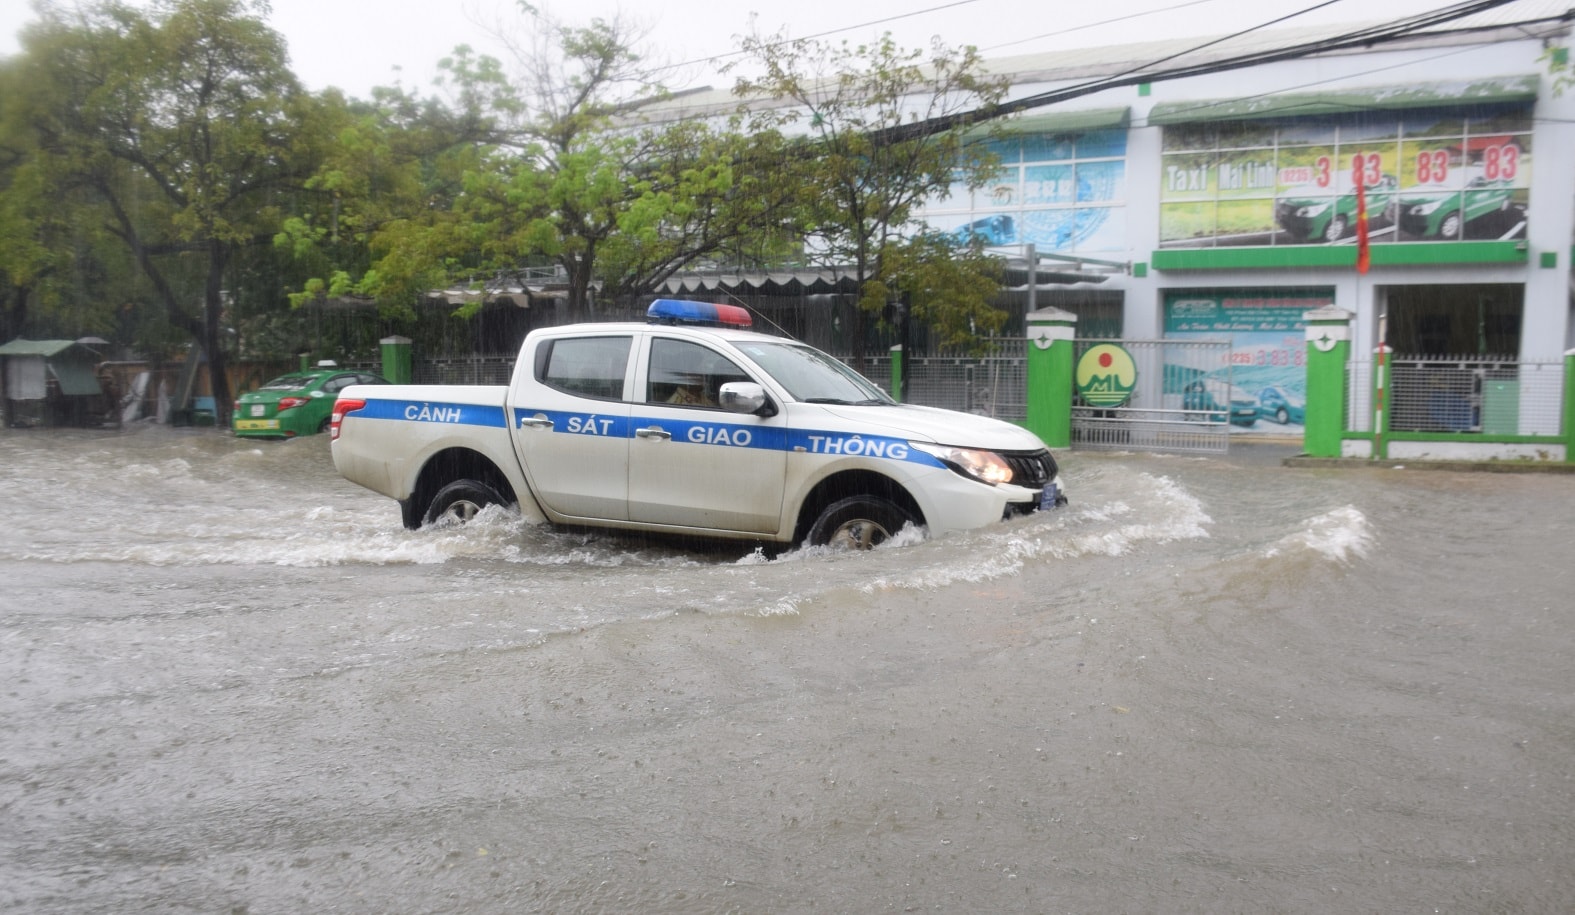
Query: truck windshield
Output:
(811,375)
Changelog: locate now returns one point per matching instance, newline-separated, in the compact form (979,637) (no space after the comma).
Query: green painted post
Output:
(1569,407)
(1328,355)
(1050,371)
(396,360)
(896,373)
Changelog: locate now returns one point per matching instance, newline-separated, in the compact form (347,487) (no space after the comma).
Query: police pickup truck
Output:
(692,425)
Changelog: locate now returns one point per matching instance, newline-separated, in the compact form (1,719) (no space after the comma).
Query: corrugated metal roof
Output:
(821,282)
(45,348)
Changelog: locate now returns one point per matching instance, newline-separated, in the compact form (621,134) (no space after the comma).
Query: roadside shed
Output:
(51,383)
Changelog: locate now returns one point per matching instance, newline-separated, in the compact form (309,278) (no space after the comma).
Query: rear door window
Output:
(585,366)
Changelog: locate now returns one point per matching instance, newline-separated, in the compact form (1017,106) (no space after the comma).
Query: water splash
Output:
(1336,535)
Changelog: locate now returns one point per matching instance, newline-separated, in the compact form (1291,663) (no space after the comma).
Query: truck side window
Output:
(585,366)
(687,374)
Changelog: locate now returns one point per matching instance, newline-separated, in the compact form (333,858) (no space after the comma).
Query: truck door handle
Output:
(655,432)
(535,422)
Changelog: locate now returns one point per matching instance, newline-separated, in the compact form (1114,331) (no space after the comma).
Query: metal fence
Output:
(1159,416)
(464,370)
(1183,400)
(1484,395)
(991,385)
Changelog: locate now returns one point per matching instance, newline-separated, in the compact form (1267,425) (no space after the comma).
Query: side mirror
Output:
(745,397)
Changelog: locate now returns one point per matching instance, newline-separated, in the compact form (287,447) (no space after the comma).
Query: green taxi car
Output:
(297,403)
(1448,214)
(1323,218)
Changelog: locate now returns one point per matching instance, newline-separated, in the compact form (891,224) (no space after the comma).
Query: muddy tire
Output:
(857,523)
(459,501)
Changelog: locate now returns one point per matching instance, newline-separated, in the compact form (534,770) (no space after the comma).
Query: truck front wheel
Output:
(460,500)
(857,523)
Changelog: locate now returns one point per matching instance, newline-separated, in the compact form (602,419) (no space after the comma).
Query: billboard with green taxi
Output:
(1424,178)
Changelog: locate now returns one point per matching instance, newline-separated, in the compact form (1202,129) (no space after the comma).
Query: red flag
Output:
(1363,256)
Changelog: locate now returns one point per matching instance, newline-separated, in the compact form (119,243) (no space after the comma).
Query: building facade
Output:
(1401,182)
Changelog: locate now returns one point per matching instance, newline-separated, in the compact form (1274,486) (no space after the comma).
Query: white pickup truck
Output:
(688,425)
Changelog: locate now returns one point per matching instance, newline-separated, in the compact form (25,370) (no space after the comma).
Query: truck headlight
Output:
(984,466)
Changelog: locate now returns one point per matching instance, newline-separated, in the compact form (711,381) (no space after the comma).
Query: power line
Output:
(846,28)
(1116,21)
(1146,72)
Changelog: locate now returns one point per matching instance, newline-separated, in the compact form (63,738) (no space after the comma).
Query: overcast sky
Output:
(356,44)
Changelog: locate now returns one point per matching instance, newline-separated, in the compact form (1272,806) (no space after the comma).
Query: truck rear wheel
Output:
(857,523)
(460,500)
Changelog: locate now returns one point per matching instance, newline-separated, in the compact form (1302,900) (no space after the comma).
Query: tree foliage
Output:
(554,173)
(865,192)
(186,126)
(160,161)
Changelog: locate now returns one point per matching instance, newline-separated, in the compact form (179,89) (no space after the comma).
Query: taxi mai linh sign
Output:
(1106,375)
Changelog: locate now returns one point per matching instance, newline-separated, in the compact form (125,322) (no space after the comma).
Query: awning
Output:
(71,363)
(1492,91)
(1063,122)
(823,282)
(775,282)
(77,379)
(45,348)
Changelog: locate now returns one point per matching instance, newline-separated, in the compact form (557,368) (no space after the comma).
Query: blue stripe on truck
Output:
(427,411)
(699,432)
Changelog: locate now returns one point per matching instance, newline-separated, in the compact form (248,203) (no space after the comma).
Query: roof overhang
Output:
(1069,122)
(1504,90)
(829,281)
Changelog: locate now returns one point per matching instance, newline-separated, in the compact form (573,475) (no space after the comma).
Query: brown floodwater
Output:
(234,683)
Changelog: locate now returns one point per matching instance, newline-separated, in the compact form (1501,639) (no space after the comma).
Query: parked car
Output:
(1281,405)
(1311,218)
(1219,401)
(297,403)
(1445,214)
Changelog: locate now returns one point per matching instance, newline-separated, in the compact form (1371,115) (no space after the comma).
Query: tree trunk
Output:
(213,333)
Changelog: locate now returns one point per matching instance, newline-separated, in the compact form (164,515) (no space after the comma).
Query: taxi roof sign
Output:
(706,314)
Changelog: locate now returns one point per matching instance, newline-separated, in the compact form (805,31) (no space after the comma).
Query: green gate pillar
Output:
(1328,354)
(396,360)
(1050,375)
(1569,407)
(896,373)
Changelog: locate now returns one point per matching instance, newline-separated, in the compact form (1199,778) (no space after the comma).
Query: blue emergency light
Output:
(706,314)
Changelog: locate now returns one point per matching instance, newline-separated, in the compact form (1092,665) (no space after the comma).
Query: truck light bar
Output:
(677,311)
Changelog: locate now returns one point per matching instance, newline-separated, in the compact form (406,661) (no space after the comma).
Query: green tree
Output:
(187,127)
(587,182)
(561,171)
(946,287)
(869,180)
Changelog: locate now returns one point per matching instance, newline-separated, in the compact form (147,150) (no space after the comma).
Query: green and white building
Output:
(1214,196)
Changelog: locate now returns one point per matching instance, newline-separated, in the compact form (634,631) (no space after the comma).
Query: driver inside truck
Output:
(690,392)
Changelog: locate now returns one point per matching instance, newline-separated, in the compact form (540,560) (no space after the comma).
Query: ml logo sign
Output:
(1106,375)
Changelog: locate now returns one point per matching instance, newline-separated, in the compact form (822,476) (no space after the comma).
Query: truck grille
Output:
(1030,468)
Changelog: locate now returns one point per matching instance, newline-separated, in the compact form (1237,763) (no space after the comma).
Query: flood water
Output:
(235,684)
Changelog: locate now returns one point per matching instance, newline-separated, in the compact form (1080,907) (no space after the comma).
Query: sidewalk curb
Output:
(1546,467)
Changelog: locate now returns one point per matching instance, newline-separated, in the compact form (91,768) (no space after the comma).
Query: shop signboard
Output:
(1261,382)
(1426,178)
